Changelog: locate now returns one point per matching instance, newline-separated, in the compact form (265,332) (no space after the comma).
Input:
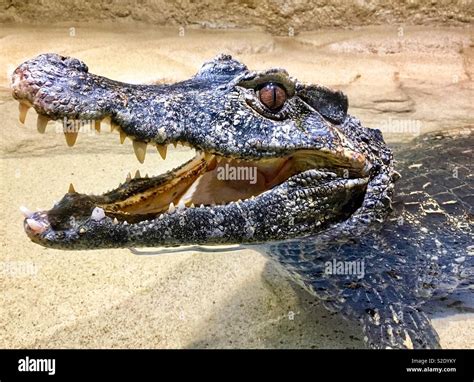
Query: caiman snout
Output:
(275,158)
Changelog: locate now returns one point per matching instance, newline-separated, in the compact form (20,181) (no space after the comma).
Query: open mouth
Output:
(274,159)
(209,180)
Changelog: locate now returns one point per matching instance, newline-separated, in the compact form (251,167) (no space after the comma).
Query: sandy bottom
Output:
(406,85)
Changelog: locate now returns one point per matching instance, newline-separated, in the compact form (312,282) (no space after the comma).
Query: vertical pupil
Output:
(272,96)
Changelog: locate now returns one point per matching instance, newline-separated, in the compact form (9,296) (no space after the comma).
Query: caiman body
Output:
(324,190)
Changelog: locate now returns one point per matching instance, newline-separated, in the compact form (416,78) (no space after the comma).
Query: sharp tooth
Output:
(129,177)
(97,125)
(208,156)
(192,205)
(162,149)
(239,201)
(122,136)
(181,205)
(41,123)
(201,206)
(161,216)
(97,214)
(115,222)
(137,174)
(71,137)
(35,226)
(26,212)
(125,222)
(71,189)
(23,108)
(171,208)
(140,150)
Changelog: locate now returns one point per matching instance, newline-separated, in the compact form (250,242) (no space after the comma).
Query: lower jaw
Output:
(146,199)
(269,215)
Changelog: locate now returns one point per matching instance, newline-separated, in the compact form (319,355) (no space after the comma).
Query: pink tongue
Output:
(232,180)
(228,183)
(269,169)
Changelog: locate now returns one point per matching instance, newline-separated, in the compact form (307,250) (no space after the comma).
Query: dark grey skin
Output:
(335,203)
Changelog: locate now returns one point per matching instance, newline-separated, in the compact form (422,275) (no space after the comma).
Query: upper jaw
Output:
(206,112)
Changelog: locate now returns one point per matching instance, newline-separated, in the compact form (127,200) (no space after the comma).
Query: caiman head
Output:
(275,159)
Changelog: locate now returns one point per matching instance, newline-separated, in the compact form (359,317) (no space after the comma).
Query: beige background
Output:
(273,16)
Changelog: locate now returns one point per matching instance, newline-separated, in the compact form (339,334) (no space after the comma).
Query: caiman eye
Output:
(272,96)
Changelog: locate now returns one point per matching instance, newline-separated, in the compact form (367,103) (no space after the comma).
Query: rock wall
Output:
(278,17)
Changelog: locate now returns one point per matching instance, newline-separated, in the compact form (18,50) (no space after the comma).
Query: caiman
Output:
(325,200)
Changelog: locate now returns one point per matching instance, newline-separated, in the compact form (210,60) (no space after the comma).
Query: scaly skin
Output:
(334,194)
(421,252)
